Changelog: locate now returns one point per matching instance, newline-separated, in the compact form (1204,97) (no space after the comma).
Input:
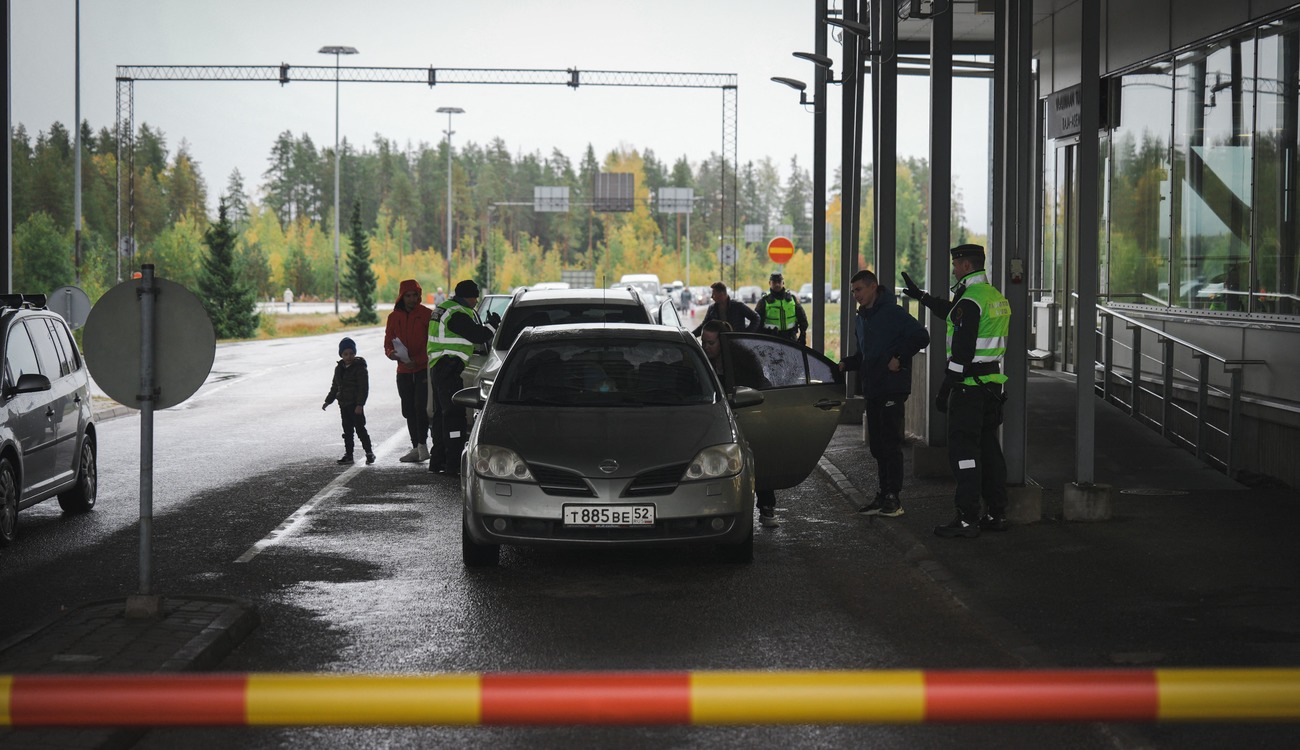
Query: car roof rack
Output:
(30,301)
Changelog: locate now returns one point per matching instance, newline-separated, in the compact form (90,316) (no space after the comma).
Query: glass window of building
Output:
(1276,276)
(1139,187)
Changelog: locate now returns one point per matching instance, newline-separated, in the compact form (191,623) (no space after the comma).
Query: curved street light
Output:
(336,51)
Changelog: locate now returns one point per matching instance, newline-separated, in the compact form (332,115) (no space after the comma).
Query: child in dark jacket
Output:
(350,388)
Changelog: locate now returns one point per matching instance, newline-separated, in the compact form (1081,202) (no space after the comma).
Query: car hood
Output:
(581,439)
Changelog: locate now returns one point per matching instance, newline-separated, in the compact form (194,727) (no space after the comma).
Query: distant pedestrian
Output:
(454,329)
(439,297)
(887,339)
(288,299)
(978,318)
(685,300)
(781,313)
(730,311)
(350,387)
(406,339)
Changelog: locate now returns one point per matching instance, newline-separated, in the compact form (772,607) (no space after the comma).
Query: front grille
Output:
(560,482)
(661,481)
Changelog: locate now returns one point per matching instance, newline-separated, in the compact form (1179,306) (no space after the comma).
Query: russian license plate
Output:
(609,515)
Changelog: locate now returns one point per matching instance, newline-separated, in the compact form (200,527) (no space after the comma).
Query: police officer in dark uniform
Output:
(780,312)
(978,318)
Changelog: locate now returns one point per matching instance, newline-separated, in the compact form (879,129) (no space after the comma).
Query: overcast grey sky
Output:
(233,125)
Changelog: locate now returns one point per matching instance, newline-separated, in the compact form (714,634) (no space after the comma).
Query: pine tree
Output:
(359,283)
(224,293)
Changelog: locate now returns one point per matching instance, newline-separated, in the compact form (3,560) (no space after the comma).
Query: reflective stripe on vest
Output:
(779,313)
(995,322)
(442,340)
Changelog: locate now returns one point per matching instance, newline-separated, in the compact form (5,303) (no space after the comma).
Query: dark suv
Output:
(47,438)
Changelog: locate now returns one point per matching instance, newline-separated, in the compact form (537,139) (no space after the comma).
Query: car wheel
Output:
(742,552)
(8,502)
(477,555)
(81,497)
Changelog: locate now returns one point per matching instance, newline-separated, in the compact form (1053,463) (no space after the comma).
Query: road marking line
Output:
(337,487)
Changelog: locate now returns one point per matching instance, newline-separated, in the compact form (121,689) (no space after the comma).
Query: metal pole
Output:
(76,193)
(336,183)
(146,293)
(1089,187)
(449,133)
(819,185)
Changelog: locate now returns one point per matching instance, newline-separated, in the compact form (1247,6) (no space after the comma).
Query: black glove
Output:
(912,290)
(941,400)
(494,319)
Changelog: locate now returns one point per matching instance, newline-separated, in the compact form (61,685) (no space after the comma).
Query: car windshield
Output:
(607,372)
(519,317)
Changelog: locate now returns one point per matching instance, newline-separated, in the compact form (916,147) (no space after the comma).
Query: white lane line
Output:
(335,488)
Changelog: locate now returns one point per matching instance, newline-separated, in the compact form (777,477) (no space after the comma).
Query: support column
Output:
(940,237)
(818,320)
(1092,501)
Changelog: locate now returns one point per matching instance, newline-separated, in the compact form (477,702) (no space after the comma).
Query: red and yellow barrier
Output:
(645,698)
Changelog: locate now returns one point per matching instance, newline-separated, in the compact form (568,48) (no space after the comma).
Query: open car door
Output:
(803,392)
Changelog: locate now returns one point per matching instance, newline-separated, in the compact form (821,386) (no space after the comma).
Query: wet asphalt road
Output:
(371,580)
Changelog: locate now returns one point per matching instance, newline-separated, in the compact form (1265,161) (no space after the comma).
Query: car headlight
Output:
(500,463)
(714,462)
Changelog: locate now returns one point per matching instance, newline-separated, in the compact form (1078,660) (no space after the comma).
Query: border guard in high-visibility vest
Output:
(978,318)
(454,329)
(780,313)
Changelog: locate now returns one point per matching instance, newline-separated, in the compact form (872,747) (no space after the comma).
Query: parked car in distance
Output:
(749,294)
(831,295)
(702,295)
(47,435)
(604,436)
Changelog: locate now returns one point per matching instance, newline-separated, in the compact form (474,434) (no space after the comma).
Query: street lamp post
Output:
(449,111)
(336,51)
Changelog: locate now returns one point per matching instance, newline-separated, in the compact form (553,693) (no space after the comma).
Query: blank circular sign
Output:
(184,344)
(72,303)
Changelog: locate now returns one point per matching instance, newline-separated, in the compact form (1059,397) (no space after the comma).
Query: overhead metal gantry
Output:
(284,73)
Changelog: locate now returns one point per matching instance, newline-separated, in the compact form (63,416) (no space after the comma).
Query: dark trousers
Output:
(974,413)
(414,393)
(886,417)
(353,422)
(448,419)
(766,499)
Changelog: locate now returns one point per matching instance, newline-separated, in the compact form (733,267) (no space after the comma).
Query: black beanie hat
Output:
(347,343)
(466,289)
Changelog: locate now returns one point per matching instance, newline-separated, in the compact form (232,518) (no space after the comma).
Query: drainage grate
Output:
(1153,491)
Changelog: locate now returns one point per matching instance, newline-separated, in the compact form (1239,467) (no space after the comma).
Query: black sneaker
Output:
(994,523)
(890,506)
(370,458)
(347,459)
(873,507)
(958,528)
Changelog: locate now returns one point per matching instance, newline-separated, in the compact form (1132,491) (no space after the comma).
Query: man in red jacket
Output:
(406,339)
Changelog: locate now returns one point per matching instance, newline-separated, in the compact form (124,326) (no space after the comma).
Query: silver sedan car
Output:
(602,435)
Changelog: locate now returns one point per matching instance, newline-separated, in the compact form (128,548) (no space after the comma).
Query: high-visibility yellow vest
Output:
(779,314)
(442,341)
(995,322)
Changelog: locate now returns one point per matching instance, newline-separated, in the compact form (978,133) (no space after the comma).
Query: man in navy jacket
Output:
(887,338)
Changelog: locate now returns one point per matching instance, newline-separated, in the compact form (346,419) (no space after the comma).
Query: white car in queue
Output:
(623,435)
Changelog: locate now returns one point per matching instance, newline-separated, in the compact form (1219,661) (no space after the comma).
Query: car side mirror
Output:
(468,398)
(30,382)
(745,396)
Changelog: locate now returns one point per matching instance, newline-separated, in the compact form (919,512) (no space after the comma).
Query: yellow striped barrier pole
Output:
(650,698)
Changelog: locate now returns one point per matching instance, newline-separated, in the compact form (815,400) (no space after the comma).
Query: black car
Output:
(47,437)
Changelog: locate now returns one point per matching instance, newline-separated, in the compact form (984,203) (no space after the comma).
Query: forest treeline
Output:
(283,234)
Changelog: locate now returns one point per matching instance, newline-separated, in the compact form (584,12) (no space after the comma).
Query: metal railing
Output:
(1168,382)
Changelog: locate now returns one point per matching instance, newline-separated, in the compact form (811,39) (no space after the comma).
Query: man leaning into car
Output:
(454,329)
